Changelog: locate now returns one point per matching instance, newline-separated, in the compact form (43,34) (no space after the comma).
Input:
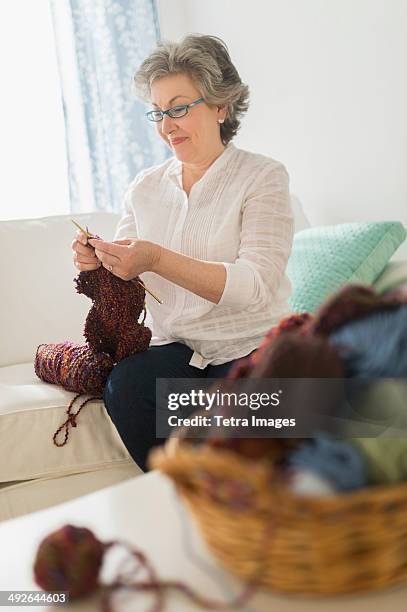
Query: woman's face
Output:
(198,130)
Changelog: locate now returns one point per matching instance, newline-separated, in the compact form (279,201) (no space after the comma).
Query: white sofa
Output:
(40,305)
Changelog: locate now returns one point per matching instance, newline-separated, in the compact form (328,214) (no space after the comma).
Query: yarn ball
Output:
(386,458)
(69,560)
(288,355)
(339,463)
(375,346)
(353,302)
(73,366)
(298,356)
(297,323)
(308,484)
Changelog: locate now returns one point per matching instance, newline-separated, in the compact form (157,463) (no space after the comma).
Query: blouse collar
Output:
(174,171)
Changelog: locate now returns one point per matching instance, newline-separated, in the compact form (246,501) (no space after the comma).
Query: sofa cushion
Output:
(39,303)
(30,413)
(325,258)
(33,495)
(394,275)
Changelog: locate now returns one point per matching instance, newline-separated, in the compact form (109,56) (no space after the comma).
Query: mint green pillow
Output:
(327,257)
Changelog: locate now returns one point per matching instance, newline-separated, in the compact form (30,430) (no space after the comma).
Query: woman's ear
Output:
(222,113)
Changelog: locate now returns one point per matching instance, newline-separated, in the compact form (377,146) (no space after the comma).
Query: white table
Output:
(146,512)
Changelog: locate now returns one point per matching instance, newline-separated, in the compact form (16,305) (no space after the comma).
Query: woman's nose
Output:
(167,125)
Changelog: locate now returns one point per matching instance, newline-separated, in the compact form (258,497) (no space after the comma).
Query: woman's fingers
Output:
(86,263)
(81,237)
(81,249)
(86,258)
(83,267)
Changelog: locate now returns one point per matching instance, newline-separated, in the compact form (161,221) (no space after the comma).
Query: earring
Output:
(221,120)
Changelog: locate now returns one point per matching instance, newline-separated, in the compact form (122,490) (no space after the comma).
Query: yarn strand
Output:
(160,587)
(71,420)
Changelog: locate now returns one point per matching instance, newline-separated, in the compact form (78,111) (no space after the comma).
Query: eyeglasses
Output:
(174,113)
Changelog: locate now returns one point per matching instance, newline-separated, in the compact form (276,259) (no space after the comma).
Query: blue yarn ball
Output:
(337,462)
(375,346)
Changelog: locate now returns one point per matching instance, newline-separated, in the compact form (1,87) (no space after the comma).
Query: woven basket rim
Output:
(182,464)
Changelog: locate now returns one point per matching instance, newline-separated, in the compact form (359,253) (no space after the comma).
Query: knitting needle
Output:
(88,235)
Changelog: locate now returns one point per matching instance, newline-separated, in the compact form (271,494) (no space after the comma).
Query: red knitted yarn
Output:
(69,560)
(73,366)
(112,323)
(111,329)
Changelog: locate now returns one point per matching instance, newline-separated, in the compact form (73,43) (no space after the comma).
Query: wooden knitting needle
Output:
(88,235)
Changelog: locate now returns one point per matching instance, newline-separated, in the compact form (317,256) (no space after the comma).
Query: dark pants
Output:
(130,393)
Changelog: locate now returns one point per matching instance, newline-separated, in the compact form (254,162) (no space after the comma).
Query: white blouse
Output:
(239,214)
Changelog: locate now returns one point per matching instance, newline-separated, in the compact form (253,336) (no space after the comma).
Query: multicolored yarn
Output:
(71,558)
(112,332)
(289,356)
(300,347)
(349,303)
(112,323)
(76,367)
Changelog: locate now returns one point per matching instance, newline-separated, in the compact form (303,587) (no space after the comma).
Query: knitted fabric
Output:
(112,323)
(111,329)
(73,366)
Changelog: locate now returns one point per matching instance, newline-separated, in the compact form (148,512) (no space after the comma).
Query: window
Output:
(34,179)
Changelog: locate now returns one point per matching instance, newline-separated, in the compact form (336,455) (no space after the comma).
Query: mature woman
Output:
(209,230)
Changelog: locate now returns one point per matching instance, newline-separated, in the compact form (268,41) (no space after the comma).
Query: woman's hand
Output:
(84,256)
(127,258)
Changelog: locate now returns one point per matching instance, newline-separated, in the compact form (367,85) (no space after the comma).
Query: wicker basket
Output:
(265,534)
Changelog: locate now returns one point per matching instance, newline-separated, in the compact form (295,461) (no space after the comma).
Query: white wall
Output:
(328,81)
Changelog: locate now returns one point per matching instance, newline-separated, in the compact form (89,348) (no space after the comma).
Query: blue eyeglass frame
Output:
(168,111)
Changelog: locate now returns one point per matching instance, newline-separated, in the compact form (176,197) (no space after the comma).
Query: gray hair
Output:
(206,60)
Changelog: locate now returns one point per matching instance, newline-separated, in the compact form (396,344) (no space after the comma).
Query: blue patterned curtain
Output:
(100,44)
